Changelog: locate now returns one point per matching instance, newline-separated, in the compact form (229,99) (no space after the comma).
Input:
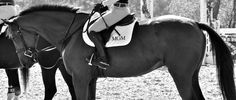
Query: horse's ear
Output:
(5,21)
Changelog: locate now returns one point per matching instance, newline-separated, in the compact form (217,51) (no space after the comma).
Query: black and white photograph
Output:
(117,49)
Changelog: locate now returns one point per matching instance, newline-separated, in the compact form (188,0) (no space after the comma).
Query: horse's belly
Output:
(135,69)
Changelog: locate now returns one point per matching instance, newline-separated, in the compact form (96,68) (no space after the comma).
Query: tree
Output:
(215,4)
(160,7)
(213,7)
(185,8)
(232,23)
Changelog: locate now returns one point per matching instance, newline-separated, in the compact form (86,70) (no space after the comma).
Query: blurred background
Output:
(158,85)
(223,9)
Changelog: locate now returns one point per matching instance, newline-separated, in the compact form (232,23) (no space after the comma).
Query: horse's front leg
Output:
(49,82)
(13,82)
(81,80)
(68,79)
(92,89)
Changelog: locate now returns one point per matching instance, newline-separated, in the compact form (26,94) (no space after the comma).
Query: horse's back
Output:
(175,27)
(178,30)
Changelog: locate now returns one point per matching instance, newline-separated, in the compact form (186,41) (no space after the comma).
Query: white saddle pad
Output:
(114,40)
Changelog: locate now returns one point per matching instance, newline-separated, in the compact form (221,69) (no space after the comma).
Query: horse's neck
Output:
(74,26)
(54,26)
(57,26)
(42,43)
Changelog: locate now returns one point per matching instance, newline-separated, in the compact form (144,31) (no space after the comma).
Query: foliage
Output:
(186,8)
(226,8)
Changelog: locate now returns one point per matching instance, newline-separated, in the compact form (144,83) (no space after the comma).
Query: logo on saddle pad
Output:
(115,39)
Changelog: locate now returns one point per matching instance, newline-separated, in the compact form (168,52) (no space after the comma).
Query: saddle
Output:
(119,34)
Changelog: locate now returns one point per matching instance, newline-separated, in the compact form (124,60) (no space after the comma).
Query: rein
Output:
(68,35)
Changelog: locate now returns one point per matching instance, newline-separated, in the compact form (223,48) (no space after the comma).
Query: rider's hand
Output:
(103,9)
(97,7)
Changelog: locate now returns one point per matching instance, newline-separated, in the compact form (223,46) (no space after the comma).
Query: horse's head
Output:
(24,42)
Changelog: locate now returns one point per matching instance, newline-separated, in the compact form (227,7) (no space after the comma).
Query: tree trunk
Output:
(213,7)
(216,8)
(232,23)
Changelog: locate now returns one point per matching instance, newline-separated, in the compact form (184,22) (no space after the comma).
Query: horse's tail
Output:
(25,77)
(224,63)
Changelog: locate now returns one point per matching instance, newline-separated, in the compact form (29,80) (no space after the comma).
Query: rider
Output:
(119,10)
(7,9)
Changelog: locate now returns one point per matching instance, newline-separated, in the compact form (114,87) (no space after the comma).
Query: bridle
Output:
(30,52)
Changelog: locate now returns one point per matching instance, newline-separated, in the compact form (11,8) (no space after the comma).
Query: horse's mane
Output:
(47,7)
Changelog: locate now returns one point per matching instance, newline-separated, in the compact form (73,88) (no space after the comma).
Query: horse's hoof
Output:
(10,96)
(16,98)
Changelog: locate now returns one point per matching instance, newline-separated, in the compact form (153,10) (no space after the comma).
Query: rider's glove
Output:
(99,7)
(103,9)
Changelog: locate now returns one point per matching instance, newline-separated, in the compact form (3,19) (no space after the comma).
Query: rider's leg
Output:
(111,17)
(99,44)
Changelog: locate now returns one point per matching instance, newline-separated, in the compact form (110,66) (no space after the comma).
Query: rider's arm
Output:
(109,2)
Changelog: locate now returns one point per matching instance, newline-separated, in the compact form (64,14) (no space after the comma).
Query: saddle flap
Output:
(120,34)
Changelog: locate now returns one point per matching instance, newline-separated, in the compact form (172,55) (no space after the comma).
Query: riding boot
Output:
(102,60)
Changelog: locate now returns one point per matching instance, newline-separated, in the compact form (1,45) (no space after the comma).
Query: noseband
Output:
(30,52)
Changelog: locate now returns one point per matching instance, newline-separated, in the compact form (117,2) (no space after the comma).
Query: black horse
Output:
(174,41)
(10,62)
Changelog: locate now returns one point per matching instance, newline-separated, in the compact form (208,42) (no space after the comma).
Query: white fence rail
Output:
(229,36)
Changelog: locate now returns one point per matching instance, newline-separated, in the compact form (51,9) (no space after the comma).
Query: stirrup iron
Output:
(90,60)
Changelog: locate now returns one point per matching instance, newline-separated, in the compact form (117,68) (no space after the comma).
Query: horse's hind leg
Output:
(196,86)
(184,69)
(184,84)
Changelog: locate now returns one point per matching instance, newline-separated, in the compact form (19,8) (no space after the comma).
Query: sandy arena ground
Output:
(157,85)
